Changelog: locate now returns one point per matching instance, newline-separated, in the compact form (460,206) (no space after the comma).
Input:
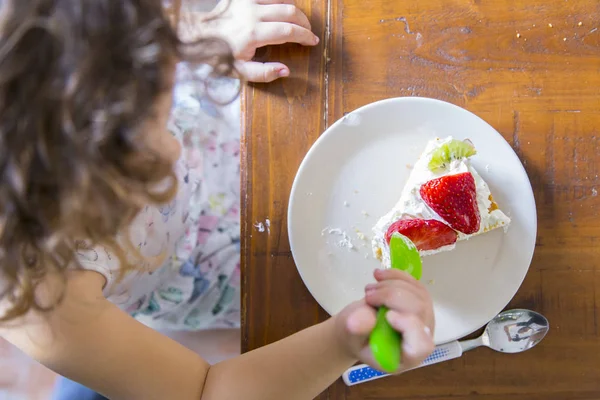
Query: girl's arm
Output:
(91,341)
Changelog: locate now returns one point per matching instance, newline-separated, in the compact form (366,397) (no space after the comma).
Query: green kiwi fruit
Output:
(448,152)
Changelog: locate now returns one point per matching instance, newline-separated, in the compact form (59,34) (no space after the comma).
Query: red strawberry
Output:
(425,234)
(454,198)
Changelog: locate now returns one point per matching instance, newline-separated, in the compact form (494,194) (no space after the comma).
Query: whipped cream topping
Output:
(411,205)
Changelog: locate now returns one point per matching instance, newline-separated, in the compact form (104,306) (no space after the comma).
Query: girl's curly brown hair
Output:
(78,79)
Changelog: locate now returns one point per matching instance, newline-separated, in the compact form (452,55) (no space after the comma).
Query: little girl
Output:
(112,225)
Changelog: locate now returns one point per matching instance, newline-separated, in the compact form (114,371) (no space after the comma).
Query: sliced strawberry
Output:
(454,198)
(426,234)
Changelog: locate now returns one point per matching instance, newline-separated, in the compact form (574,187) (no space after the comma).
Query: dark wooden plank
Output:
(281,122)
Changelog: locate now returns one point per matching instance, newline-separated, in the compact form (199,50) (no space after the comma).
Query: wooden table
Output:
(531,68)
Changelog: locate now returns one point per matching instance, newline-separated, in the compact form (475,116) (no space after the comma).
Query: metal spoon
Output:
(511,331)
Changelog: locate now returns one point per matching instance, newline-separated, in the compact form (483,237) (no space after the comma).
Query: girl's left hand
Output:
(250,24)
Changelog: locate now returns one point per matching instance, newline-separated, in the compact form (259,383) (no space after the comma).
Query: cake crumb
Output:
(260,227)
(409,166)
(431,282)
(344,242)
(518,35)
(363,212)
(268,225)
(564,39)
(549,25)
(378,254)
(594,192)
(309,193)
(355,191)
(580,23)
(360,235)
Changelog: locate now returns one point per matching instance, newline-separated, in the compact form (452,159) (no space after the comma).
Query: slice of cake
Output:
(444,201)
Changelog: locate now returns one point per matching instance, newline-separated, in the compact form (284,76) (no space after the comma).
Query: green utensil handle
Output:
(385,343)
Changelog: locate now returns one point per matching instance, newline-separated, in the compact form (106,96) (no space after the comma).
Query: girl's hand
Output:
(250,24)
(411,313)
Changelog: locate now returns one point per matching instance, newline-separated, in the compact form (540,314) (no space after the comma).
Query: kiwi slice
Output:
(446,153)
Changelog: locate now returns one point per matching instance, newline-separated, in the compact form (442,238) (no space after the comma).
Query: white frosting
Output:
(411,205)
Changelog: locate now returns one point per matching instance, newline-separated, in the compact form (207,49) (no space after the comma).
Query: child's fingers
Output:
(361,321)
(272,33)
(390,273)
(404,301)
(263,72)
(275,2)
(416,336)
(284,13)
(418,291)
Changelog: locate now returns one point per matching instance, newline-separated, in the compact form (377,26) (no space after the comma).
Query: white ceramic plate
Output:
(360,164)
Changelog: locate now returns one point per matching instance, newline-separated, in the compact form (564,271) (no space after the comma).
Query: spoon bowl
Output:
(515,331)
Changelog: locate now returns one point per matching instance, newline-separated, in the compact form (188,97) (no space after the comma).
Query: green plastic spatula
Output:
(385,342)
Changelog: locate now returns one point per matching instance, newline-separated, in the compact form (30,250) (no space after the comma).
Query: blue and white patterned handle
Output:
(363,373)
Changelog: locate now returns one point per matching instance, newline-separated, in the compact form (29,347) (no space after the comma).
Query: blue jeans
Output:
(68,390)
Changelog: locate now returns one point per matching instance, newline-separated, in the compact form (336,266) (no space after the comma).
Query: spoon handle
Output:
(363,373)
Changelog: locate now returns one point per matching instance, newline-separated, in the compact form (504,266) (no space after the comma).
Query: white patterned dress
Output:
(191,278)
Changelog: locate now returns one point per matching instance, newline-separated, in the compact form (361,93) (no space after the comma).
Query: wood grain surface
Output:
(531,69)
